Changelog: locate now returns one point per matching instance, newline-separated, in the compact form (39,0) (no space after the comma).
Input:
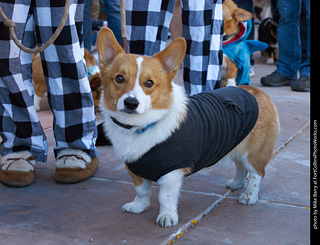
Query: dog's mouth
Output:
(129,111)
(227,37)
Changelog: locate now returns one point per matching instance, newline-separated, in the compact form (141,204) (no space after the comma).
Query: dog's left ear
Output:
(242,15)
(172,56)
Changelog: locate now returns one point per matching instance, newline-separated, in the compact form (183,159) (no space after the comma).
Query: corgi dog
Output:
(236,48)
(163,135)
(39,82)
(232,16)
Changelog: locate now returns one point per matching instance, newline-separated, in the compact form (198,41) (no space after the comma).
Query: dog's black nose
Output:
(131,103)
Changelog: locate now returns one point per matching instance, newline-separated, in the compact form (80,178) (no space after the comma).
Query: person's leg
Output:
(202,28)
(148,25)
(289,45)
(113,16)
(20,128)
(68,88)
(303,83)
(176,21)
(23,141)
(87,24)
(289,38)
(305,38)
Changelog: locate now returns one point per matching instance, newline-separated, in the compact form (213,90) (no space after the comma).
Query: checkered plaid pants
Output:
(147,30)
(68,88)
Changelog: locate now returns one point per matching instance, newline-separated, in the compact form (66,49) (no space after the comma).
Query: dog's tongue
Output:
(242,31)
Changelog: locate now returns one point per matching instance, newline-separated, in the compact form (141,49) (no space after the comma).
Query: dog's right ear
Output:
(242,15)
(108,46)
(172,56)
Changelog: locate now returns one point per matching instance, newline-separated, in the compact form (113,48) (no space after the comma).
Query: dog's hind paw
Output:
(234,185)
(270,61)
(134,207)
(248,198)
(167,220)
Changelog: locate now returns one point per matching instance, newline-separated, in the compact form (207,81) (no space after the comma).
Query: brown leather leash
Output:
(11,25)
(124,42)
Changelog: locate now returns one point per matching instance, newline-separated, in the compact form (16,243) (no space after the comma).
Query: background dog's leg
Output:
(270,60)
(170,186)
(39,90)
(143,193)
(232,72)
(240,178)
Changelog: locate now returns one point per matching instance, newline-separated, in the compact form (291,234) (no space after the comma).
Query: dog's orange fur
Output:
(260,142)
(232,15)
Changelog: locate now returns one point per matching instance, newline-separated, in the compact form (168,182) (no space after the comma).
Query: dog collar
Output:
(92,70)
(127,126)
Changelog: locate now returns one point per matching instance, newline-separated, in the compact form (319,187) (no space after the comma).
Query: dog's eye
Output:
(149,83)
(119,79)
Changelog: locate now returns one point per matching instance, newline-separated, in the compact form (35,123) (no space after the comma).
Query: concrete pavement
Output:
(90,212)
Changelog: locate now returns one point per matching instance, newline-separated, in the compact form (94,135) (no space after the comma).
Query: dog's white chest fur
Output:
(129,145)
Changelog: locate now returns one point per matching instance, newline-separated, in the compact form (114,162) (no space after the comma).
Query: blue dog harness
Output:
(216,123)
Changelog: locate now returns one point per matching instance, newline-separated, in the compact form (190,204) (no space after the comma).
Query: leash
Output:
(124,42)
(11,25)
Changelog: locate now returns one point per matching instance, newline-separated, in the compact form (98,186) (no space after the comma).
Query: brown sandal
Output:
(77,174)
(15,177)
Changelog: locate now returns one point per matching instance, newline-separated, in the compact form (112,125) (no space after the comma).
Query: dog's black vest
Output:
(216,123)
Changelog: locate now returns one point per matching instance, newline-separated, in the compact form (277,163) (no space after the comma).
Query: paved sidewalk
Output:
(90,212)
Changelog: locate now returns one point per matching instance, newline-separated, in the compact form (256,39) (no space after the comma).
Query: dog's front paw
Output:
(234,185)
(168,219)
(248,198)
(135,207)
(36,100)
(270,61)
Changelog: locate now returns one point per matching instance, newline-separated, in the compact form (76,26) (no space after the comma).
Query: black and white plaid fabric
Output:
(148,27)
(69,92)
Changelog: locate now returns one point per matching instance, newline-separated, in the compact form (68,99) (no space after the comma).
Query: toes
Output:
(134,207)
(167,220)
(248,198)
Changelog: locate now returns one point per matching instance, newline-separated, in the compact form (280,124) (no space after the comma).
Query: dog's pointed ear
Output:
(172,56)
(242,15)
(108,46)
